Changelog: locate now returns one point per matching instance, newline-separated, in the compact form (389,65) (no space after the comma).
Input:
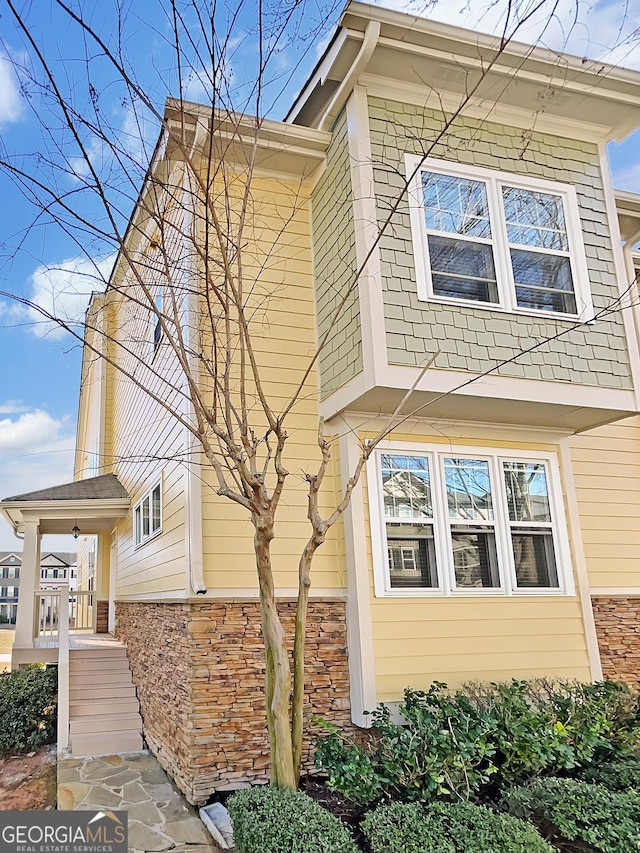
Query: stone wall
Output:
(199,671)
(618,627)
(158,650)
(102,617)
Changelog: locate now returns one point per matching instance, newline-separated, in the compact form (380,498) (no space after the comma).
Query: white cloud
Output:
(62,291)
(12,407)
(605,30)
(36,451)
(11,106)
(29,430)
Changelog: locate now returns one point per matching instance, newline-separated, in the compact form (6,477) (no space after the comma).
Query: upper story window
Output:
(147,515)
(470,521)
(497,240)
(157,329)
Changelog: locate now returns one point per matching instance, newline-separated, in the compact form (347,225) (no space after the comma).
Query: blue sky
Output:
(39,364)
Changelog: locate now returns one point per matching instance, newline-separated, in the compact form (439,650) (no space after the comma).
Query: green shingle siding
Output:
(335,265)
(474,339)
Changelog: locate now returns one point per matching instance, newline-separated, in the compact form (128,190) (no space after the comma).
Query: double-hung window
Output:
(147,515)
(466,522)
(497,240)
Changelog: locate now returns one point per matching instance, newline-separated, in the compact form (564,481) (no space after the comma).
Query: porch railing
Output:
(47,615)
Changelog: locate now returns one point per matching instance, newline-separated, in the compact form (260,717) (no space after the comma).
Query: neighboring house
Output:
(10,562)
(55,569)
(496,534)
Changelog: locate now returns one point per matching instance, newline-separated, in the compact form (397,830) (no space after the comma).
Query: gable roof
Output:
(104,487)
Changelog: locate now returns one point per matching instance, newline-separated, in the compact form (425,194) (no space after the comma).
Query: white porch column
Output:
(29,582)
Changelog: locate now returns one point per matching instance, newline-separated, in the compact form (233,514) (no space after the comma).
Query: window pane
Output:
(406,487)
(137,525)
(534,558)
(474,558)
(155,509)
(543,282)
(535,219)
(462,269)
(527,491)
(455,205)
(468,489)
(145,517)
(411,555)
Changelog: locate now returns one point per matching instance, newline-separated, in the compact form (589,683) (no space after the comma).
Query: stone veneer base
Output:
(617,621)
(198,667)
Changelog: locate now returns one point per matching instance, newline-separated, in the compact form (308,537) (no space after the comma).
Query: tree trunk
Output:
(278,669)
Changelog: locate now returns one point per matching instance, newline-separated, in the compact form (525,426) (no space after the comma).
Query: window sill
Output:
(502,309)
(147,539)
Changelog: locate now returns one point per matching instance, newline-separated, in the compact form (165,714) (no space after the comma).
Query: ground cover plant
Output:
(27,709)
(578,811)
(449,828)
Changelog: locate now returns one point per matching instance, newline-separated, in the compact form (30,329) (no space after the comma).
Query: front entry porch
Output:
(59,625)
(90,507)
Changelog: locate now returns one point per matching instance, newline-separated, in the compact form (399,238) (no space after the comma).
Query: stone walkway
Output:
(159,816)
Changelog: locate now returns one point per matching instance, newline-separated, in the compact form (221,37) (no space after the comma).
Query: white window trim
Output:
(504,274)
(139,539)
(444,563)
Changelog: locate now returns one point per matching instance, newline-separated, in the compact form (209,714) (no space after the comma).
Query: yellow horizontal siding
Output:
(418,640)
(606,466)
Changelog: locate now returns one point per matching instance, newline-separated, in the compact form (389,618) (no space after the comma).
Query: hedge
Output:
(275,820)
(578,811)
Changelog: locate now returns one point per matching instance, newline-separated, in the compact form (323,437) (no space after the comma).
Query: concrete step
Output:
(97,707)
(85,693)
(106,679)
(102,723)
(105,744)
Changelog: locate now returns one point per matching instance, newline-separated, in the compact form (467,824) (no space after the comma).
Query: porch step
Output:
(104,665)
(106,722)
(104,713)
(102,692)
(105,744)
(111,678)
(87,707)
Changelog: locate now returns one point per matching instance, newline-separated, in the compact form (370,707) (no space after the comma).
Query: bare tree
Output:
(184,258)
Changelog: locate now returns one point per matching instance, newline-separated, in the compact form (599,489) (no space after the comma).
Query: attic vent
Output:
(451,74)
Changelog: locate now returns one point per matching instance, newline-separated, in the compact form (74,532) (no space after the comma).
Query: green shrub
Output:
(543,727)
(445,749)
(578,811)
(454,745)
(619,775)
(449,828)
(272,820)
(27,709)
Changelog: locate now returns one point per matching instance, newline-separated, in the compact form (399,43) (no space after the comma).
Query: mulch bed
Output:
(29,782)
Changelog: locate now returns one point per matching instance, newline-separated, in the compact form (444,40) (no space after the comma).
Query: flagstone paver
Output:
(160,819)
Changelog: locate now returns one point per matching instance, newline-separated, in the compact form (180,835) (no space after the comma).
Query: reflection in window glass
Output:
(468,489)
(475,559)
(535,219)
(406,487)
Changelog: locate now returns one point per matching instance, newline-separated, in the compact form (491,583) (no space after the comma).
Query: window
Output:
(497,240)
(147,516)
(157,329)
(468,521)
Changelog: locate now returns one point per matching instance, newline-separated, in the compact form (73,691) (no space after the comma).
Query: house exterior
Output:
(55,568)
(494,533)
